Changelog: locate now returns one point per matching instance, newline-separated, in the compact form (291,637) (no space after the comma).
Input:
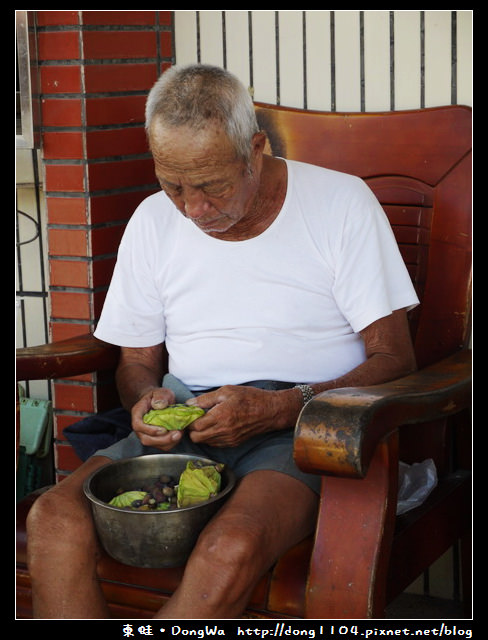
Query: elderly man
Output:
(246,267)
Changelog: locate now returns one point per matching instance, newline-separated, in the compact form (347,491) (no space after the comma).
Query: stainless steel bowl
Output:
(149,538)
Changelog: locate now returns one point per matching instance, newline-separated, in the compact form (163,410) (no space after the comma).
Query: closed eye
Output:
(172,191)
(217,190)
(212,190)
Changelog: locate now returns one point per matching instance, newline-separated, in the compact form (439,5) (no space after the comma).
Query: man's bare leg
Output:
(62,550)
(266,515)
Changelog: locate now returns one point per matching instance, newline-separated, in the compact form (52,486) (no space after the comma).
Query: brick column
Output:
(96,68)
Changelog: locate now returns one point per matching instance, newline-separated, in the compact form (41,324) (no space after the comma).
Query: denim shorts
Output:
(271,451)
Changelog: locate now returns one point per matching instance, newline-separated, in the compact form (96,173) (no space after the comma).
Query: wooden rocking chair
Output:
(362,555)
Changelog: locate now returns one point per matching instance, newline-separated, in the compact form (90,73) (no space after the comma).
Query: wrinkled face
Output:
(200,173)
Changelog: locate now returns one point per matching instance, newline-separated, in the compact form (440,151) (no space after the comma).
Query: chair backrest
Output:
(418,163)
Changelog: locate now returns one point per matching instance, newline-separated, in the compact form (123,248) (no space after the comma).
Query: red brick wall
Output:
(95,70)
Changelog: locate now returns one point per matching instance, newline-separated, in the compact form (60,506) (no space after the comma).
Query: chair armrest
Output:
(337,432)
(71,357)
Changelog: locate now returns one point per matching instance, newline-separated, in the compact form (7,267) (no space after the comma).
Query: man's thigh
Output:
(274,508)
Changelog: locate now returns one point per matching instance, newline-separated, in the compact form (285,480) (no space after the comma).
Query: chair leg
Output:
(356,522)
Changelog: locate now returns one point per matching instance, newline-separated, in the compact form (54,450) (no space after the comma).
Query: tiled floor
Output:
(412,606)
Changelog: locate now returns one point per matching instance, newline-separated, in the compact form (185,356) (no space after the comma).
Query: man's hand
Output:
(149,435)
(236,413)
(138,380)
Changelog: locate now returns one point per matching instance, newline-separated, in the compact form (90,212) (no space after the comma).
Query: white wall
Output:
(375,60)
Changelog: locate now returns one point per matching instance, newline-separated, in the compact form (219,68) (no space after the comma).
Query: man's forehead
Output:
(177,136)
(183,151)
(194,180)
(203,176)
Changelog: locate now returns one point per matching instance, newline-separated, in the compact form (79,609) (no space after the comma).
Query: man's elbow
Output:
(407,364)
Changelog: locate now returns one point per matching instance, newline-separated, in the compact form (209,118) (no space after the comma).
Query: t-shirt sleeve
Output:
(133,314)
(371,280)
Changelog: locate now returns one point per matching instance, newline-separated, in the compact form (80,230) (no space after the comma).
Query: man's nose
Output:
(195,203)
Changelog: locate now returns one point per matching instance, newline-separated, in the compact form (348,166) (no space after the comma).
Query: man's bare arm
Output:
(140,371)
(389,354)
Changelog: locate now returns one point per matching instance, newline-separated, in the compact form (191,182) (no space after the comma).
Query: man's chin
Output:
(219,225)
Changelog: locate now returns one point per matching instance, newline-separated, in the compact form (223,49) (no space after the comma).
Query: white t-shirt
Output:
(285,305)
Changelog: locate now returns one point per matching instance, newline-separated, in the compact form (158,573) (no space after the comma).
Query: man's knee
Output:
(63,512)
(56,519)
(230,545)
(221,571)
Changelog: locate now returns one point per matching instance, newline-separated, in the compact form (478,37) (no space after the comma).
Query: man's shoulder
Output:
(153,202)
(322,182)
(155,207)
(153,221)
(304,172)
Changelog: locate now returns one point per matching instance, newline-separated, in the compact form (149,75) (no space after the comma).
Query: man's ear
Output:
(258,142)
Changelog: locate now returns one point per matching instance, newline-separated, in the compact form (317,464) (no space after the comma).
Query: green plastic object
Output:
(34,466)
(35,426)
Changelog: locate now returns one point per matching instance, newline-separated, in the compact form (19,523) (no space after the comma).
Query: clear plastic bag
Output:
(415,482)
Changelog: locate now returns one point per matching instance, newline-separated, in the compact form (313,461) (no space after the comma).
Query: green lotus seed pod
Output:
(174,417)
(126,499)
(197,484)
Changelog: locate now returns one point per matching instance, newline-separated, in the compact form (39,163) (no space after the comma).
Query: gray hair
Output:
(195,95)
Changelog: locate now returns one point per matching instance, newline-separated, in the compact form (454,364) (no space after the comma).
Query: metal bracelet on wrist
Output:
(307,392)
